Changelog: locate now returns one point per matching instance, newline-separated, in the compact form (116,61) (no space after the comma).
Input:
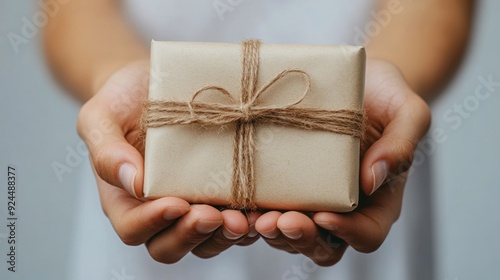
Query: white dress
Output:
(99,254)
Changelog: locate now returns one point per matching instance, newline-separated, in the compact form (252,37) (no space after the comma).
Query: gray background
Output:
(37,128)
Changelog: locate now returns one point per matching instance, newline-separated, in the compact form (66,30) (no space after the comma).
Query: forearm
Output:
(86,41)
(425,39)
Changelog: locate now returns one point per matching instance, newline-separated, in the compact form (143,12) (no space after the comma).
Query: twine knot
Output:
(245,111)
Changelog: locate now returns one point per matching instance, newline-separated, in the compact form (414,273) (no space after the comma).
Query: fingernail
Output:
(174,213)
(205,227)
(271,234)
(293,234)
(230,235)
(380,170)
(251,231)
(126,174)
(327,226)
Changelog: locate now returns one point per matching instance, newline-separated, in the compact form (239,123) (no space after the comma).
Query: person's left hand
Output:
(398,118)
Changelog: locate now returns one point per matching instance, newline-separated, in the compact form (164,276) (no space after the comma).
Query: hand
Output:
(170,227)
(398,118)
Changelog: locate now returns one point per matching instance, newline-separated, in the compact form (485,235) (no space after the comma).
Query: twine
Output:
(246,114)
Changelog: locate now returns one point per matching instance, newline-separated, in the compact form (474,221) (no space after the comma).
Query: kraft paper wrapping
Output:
(295,169)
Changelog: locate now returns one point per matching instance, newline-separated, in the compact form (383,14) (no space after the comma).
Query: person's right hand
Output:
(398,118)
(170,227)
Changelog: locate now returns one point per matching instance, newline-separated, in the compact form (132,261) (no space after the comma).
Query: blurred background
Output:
(39,139)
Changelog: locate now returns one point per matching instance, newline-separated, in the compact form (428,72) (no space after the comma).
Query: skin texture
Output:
(97,56)
(425,39)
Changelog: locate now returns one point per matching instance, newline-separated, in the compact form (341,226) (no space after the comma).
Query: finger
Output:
(234,227)
(106,122)
(135,221)
(404,122)
(187,233)
(365,229)
(267,226)
(252,235)
(304,236)
(114,159)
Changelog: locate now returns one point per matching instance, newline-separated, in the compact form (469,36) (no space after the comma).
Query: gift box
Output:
(255,125)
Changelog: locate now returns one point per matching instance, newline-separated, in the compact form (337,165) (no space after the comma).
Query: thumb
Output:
(114,159)
(392,153)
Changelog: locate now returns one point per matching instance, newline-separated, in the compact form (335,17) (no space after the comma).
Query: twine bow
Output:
(245,114)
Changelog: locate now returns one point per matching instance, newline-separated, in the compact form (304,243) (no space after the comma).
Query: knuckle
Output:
(125,232)
(128,238)
(372,246)
(103,164)
(373,236)
(160,256)
(406,151)
(99,159)
(406,147)
(369,248)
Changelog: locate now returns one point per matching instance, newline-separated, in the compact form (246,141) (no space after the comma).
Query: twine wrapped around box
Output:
(246,114)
